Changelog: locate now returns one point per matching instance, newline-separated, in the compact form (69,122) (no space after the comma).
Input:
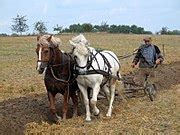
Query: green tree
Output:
(66,30)
(113,29)
(125,29)
(104,27)
(140,30)
(76,28)
(97,27)
(58,29)
(164,30)
(175,32)
(87,27)
(134,29)
(40,27)
(19,25)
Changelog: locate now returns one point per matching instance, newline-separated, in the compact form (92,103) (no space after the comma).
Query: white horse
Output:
(94,70)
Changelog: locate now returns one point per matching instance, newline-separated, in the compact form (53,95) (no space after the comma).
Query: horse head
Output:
(81,52)
(45,50)
(80,39)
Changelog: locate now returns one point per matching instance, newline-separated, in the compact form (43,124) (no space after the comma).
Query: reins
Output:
(127,56)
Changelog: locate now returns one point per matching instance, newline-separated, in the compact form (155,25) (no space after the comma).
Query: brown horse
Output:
(58,78)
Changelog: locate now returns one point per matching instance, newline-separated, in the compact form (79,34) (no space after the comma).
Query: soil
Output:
(16,113)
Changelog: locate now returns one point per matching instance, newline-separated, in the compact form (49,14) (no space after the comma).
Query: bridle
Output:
(51,64)
(89,60)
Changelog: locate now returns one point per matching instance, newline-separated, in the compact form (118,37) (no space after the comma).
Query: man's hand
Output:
(158,61)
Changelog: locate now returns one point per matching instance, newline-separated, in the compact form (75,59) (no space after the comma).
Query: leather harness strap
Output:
(92,56)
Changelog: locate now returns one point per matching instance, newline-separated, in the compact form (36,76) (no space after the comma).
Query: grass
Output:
(21,84)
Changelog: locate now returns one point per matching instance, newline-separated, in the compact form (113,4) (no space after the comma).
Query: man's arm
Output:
(137,56)
(160,58)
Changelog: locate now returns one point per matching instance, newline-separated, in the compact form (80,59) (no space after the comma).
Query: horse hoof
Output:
(57,118)
(88,119)
(59,121)
(75,115)
(96,113)
(108,115)
(64,118)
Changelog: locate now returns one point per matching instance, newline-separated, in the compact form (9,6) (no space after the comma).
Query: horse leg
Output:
(112,90)
(86,101)
(94,99)
(75,104)
(65,104)
(52,107)
(107,92)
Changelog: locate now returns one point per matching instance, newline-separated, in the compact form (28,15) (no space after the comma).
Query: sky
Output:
(151,14)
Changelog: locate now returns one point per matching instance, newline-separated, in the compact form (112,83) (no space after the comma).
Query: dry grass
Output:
(24,104)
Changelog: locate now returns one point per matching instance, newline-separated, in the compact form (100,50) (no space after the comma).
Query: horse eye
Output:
(75,57)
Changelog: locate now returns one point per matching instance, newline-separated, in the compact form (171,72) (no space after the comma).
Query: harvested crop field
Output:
(24,106)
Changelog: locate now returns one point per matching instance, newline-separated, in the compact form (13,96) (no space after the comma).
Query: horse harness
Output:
(107,74)
(60,67)
(57,70)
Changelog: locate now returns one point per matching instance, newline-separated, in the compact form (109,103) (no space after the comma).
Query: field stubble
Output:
(24,103)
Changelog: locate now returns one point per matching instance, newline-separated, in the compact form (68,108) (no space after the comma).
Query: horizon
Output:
(152,15)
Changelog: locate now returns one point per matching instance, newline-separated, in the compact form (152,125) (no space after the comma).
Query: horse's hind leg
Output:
(112,90)
(52,107)
(107,92)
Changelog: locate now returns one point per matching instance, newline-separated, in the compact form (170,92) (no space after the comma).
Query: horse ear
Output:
(38,37)
(49,38)
(59,42)
(72,43)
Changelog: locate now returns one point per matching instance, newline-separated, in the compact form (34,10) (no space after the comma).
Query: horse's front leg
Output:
(65,103)
(51,97)
(96,90)
(86,101)
(75,104)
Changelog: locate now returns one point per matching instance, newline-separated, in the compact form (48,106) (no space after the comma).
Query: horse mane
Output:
(80,39)
(81,49)
(55,41)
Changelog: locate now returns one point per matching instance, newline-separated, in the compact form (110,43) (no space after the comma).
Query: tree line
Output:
(20,26)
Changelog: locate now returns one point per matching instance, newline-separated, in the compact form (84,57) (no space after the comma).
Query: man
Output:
(147,57)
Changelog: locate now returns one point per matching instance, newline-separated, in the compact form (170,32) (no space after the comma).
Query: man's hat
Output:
(147,39)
